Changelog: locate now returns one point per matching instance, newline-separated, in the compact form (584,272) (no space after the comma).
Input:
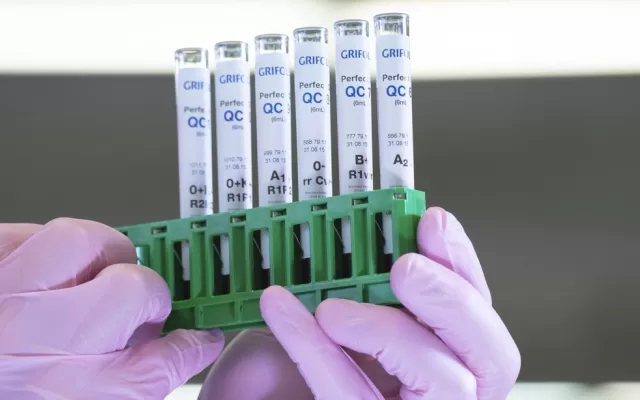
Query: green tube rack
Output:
(210,300)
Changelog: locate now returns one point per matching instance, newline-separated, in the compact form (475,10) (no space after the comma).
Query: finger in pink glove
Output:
(451,344)
(79,319)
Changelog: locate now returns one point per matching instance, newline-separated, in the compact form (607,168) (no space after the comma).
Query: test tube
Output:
(353,109)
(233,133)
(395,117)
(273,123)
(193,106)
(313,119)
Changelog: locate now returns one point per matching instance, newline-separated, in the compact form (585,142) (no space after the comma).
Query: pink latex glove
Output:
(71,300)
(447,344)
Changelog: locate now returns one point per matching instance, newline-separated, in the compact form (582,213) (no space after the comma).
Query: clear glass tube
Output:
(391,24)
(192,57)
(395,115)
(354,116)
(351,27)
(226,51)
(313,121)
(311,34)
(272,43)
(273,126)
(193,103)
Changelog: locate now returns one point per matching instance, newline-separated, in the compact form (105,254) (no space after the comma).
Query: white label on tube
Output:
(193,106)
(193,101)
(273,119)
(395,117)
(313,120)
(233,131)
(353,97)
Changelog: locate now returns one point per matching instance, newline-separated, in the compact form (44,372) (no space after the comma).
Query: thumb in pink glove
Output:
(448,342)
(80,320)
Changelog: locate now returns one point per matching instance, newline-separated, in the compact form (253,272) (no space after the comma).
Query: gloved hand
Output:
(71,300)
(447,344)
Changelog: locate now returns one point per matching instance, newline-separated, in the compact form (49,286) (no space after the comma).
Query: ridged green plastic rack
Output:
(211,300)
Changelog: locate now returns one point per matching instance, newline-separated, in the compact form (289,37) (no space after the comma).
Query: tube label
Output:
(193,103)
(273,119)
(233,131)
(395,117)
(313,120)
(353,97)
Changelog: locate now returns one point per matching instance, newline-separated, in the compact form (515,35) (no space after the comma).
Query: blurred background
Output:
(527,127)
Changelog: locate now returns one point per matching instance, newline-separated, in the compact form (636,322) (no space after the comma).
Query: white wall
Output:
(451,39)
